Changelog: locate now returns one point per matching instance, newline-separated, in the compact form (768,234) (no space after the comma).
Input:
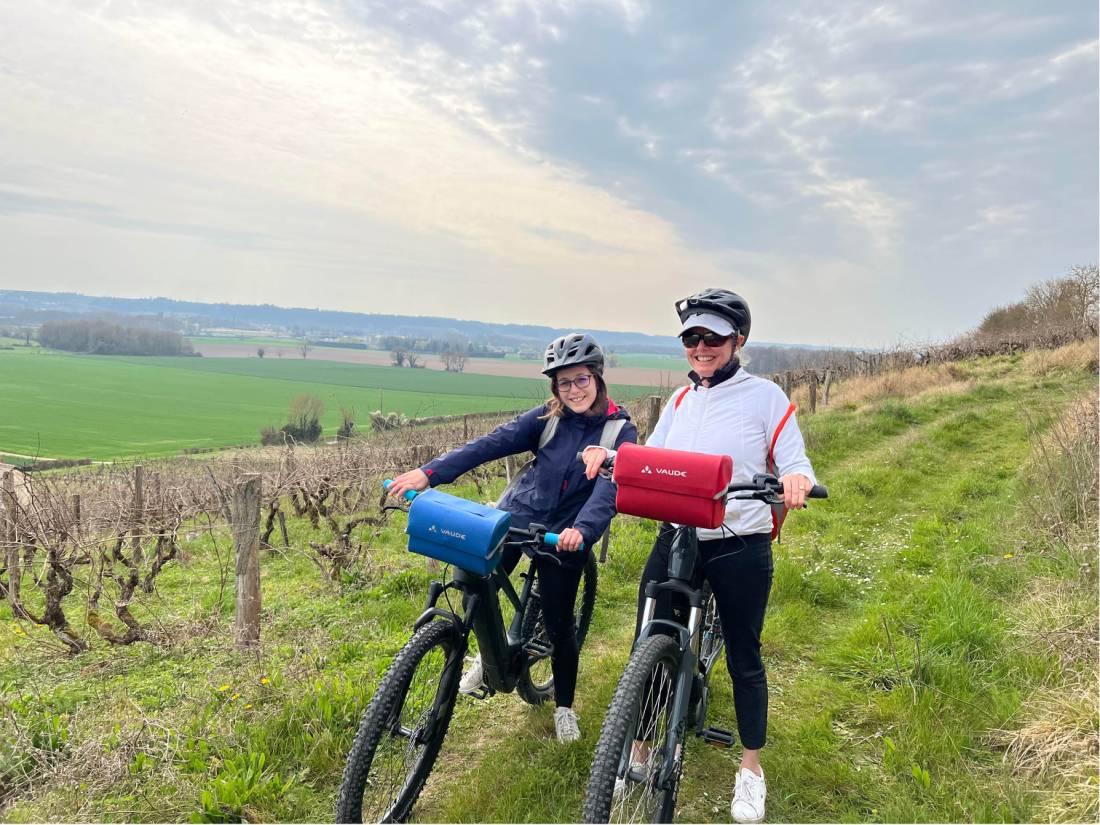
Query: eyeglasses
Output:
(581,382)
(691,339)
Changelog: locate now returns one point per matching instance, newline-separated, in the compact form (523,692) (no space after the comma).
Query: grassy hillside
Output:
(58,404)
(930,642)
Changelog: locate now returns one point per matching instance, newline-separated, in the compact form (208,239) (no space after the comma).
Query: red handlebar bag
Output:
(672,485)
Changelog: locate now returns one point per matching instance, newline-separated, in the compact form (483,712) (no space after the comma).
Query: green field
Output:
(103,407)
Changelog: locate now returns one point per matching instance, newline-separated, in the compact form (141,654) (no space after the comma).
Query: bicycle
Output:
(406,721)
(664,688)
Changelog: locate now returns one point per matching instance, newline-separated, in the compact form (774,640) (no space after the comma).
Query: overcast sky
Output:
(862,173)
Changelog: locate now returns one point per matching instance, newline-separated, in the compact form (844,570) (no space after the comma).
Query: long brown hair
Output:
(555,407)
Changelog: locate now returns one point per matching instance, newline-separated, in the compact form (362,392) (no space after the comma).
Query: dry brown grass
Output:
(1060,616)
(1079,354)
(911,382)
(1058,743)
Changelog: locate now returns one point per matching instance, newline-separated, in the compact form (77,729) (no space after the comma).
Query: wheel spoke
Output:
(402,731)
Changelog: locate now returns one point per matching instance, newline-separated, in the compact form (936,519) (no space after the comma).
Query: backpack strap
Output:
(779,511)
(548,431)
(610,434)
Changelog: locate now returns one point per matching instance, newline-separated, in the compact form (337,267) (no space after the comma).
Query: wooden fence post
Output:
(138,512)
(465,428)
(828,384)
(603,545)
(246,541)
(9,544)
(652,413)
(813,391)
(788,380)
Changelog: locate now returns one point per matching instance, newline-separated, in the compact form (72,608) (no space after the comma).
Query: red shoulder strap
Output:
(778,430)
(680,398)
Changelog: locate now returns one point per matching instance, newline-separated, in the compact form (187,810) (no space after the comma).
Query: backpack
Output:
(779,510)
(611,429)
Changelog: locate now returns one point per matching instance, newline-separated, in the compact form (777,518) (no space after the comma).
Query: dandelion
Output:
(248,706)
(234,697)
(1009,555)
(264,680)
(223,688)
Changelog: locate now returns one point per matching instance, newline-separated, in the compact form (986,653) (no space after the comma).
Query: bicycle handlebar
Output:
(408,494)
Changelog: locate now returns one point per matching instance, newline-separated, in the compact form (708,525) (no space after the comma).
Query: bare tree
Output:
(304,348)
(413,360)
(260,352)
(453,360)
(398,357)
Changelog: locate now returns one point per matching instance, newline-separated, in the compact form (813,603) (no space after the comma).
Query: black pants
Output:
(558,593)
(739,570)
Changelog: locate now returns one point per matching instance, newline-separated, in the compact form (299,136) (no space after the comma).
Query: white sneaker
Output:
(748,797)
(473,679)
(565,724)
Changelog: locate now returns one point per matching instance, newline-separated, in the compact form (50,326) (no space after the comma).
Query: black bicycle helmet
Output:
(571,350)
(721,302)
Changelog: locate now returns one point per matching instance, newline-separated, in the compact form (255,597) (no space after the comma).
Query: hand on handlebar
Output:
(593,458)
(570,540)
(795,488)
(412,480)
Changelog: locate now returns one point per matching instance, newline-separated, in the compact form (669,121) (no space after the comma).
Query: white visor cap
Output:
(708,320)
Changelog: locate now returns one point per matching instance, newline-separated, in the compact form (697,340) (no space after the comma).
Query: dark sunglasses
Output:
(692,339)
(581,382)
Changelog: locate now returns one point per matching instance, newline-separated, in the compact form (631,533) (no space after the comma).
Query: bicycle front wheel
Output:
(403,728)
(537,685)
(633,748)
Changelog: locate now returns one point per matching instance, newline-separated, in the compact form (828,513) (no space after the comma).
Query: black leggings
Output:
(558,593)
(739,570)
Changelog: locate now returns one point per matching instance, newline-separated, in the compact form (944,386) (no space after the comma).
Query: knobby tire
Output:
(404,709)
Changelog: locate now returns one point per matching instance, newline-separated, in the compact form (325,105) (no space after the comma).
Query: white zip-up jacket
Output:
(737,418)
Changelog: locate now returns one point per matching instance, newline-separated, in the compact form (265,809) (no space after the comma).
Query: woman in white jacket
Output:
(726,410)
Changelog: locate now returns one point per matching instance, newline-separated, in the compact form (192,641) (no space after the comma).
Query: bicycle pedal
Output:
(718,737)
(481,694)
(537,647)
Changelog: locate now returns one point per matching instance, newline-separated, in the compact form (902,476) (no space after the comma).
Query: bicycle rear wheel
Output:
(537,685)
(403,728)
(640,712)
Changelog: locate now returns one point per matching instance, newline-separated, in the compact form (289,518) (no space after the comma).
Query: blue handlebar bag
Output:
(456,531)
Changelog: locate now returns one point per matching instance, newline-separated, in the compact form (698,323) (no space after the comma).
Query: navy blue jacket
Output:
(554,492)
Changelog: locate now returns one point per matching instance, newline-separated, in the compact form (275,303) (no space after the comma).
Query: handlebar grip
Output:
(409,494)
(818,491)
(552,540)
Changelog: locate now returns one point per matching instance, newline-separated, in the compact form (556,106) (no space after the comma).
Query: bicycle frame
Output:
(502,650)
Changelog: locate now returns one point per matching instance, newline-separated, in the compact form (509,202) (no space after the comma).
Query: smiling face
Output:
(567,387)
(707,360)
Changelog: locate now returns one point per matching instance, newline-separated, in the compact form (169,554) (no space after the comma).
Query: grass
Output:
(100,407)
(931,653)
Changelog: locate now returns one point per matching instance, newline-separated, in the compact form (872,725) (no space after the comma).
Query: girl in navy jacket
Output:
(555,492)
